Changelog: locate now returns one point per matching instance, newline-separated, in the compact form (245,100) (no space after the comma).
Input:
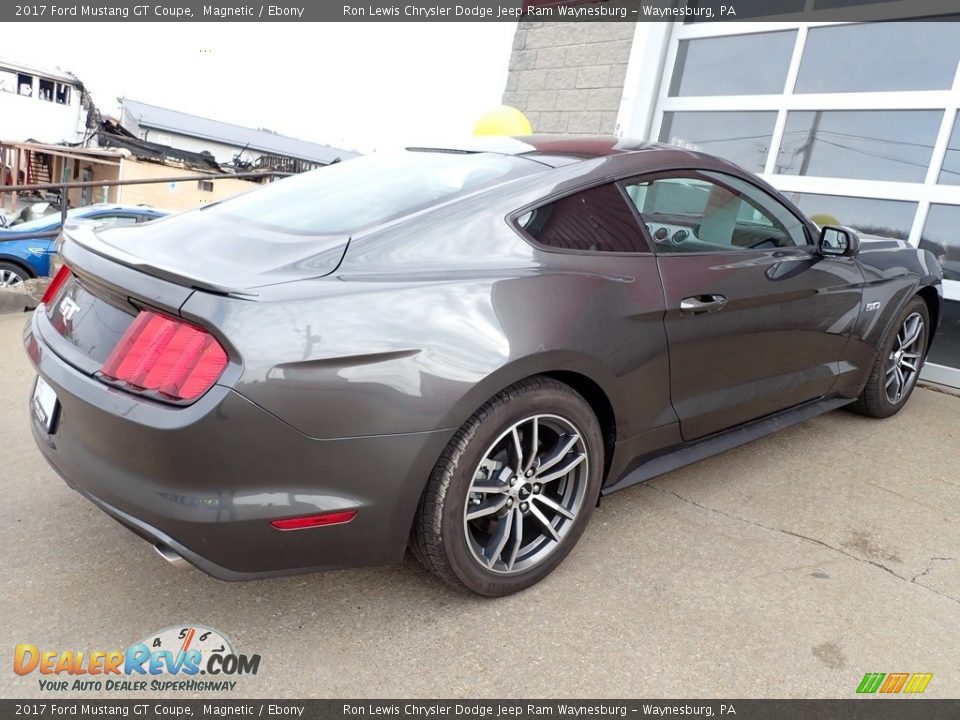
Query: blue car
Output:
(26,249)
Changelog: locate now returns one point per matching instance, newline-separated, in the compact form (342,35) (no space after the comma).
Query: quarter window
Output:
(594,220)
(712,212)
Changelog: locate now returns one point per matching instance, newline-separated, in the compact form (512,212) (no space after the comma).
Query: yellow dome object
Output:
(503,120)
(822,219)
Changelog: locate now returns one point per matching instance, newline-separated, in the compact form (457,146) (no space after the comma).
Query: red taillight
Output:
(310,521)
(165,355)
(58,280)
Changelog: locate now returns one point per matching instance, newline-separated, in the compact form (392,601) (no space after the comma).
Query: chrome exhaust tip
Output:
(171,556)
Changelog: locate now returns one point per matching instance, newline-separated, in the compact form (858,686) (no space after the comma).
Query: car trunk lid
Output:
(219,254)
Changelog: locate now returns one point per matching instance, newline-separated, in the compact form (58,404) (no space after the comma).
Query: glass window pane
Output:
(347,196)
(946,344)
(941,238)
(880,57)
(888,218)
(115,220)
(760,209)
(950,172)
(595,220)
(691,213)
(872,145)
(740,137)
(753,64)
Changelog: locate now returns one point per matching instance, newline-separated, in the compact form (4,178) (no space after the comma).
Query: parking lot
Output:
(786,568)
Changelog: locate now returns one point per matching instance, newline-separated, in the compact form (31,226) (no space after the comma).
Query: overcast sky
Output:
(354,85)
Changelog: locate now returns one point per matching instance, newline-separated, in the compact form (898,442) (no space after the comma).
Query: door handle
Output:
(702,303)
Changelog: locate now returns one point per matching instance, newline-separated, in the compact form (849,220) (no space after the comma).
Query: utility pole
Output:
(807,147)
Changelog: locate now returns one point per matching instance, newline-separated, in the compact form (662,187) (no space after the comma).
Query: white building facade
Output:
(41,105)
(855,122)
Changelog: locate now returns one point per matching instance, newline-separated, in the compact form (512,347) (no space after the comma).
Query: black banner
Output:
(853,709)
(480,10)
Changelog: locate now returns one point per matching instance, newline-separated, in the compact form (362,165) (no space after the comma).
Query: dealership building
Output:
(856,122)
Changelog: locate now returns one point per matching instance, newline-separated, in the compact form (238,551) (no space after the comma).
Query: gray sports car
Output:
(454,349)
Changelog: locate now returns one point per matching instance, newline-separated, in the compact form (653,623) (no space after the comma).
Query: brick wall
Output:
(568,77)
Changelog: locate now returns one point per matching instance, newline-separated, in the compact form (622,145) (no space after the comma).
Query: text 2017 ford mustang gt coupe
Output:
(455,349)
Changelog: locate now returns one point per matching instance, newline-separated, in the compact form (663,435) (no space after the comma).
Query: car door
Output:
(756,319)
(607,303)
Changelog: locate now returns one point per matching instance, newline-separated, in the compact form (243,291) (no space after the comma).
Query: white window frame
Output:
(642,115)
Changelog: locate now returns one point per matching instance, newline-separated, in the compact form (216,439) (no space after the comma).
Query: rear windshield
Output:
(343,198)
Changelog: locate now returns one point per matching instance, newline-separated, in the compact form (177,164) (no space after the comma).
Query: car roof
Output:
(557,150)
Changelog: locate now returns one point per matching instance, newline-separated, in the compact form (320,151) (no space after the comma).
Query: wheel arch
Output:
(932,298)
(19,262)
(585,375)
(599,402)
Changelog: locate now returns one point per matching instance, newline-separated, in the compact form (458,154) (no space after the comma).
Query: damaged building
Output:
(52,133)
(231,145)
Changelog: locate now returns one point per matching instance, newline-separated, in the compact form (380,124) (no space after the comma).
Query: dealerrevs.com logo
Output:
(186,658)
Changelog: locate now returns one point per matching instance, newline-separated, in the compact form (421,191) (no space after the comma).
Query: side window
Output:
(712,212)
(594,220)
(115,220)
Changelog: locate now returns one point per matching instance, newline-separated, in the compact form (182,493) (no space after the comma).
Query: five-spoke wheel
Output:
(513,491)
(903,362)
(897,365)
(526,493)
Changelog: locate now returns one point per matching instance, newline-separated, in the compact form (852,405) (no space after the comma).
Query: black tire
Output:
(440,530)
(9,267)
(874,400)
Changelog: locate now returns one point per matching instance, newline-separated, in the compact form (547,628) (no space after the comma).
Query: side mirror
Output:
(838,241)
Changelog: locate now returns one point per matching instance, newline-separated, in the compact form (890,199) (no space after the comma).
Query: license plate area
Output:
(45,404)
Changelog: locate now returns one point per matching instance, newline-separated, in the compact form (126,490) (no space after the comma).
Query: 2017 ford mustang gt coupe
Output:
(456,350)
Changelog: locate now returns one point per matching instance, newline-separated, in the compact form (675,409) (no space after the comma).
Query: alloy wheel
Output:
(526,493)
(8,278)
(903,364)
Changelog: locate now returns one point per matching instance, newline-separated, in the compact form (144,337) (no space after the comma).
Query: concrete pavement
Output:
(786,568)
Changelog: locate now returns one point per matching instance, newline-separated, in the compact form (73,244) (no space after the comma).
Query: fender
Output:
(528,366)
(911,291)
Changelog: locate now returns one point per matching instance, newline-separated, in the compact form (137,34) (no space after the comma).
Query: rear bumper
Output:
(207,479)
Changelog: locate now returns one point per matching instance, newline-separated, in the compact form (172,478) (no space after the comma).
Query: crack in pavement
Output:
(815,541)
(930,567)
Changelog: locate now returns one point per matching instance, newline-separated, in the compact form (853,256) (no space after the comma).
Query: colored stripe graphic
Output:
(894,682)
(870,682)
(918,683)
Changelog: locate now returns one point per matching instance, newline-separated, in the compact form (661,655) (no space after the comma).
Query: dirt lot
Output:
(786,568)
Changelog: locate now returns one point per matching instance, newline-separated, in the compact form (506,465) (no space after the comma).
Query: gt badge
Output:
(68,308)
